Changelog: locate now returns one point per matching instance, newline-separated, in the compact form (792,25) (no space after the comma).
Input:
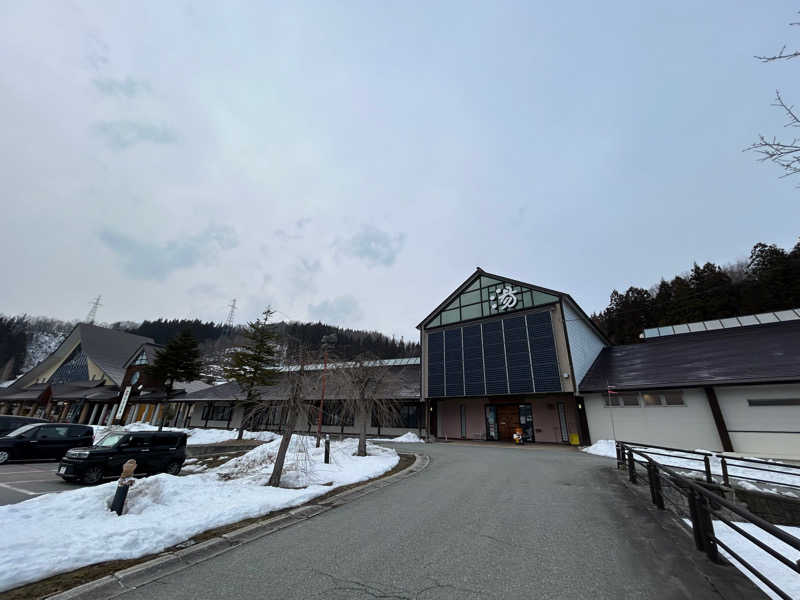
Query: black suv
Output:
(43,441)
(9,423)
(154,452)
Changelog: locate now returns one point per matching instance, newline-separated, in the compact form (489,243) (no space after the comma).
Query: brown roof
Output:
(753,354)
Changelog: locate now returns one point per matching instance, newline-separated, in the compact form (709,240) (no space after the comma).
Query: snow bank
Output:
(409,438)
(602,448)
(197,436)
(778,573)
(55,533)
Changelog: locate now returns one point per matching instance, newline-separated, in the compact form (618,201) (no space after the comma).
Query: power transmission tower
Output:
(93,311)
(229,321)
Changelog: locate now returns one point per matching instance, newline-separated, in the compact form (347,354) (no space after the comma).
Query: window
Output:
(775,402)
(141,441)
(216,413)
(77,432)
(141,359)
(52,433)
(666,398)
(335,413)
(629,399)
(406,416)
(611,399)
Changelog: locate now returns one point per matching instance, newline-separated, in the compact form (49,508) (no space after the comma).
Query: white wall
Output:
(584,343)
(691,426)
(772,431)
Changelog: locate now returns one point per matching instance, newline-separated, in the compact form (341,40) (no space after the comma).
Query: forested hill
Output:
(25,341)
(769,280)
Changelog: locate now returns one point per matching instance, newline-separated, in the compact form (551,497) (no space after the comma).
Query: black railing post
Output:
(631,467)
(620,455)
(693,515)
(707,529)
(655,485)
(707,463)
(725,479)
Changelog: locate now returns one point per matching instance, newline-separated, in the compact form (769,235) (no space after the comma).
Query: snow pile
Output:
(197,436)
(55,533)
(602,448)
(778,573)
(408,438)
(776,474)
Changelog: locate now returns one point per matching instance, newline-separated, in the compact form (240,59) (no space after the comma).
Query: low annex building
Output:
(501,356)
(93,372)
(726,384)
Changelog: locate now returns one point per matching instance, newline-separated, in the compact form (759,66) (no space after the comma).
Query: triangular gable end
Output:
(486,295)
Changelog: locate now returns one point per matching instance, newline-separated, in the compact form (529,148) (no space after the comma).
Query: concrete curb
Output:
(171,562)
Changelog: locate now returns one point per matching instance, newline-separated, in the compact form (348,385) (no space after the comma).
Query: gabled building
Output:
(500,355)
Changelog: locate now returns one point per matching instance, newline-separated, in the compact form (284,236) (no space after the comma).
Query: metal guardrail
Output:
(726,462)
(703,507)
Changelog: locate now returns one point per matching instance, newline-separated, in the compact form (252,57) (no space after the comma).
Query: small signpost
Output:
(125,482)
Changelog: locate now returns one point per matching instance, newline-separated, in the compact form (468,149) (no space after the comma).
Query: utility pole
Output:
(328,341)
(93,311)
(229,320)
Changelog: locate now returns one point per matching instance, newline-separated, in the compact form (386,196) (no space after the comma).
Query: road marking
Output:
(32,481)
(21,491)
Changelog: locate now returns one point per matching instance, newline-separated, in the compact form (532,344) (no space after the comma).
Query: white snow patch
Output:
(408,438)
(778,573)
(197,436)
(602,448)
(55,533)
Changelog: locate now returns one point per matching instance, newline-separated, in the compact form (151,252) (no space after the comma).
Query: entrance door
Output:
(491,423)
(526,421)
(507,420)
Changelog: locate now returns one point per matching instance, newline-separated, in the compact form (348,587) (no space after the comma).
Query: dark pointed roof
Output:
(753,354)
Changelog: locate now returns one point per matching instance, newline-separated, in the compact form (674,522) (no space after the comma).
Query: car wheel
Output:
(5,456)
(173,468)
(92,475)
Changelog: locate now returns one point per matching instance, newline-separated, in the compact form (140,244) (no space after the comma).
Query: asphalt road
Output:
(25,480)
(481,522)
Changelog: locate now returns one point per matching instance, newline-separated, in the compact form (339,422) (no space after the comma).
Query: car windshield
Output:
(111,439)
(19,431)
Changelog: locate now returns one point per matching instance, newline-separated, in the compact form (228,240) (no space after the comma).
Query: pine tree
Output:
(179,361)
(253,366)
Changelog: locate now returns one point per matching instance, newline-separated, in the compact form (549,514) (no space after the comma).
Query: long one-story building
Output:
(726,384)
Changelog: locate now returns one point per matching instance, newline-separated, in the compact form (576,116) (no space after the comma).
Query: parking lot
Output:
(25,480)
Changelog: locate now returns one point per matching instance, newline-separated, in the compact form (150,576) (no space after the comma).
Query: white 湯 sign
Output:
(503,298)
(125,395)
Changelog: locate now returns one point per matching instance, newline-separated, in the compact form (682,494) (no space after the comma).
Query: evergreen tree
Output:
(179,361)
(254,365)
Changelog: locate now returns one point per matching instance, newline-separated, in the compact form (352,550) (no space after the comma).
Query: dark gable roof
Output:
(402,383)
(110,349)
(754,354)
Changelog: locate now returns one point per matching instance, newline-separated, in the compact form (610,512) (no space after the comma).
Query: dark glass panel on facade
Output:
(519,364)
(473,361)
(436,364)
(545,361)
(453,363)
(495,358)
(75,368)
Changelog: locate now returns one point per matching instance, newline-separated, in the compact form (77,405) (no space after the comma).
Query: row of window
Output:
(666,398)
(216,413)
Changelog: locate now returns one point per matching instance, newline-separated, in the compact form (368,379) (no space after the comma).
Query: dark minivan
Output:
(153,451)
(43,441)
(9,423)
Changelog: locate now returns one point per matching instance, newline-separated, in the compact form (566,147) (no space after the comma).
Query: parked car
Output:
(154,452)
(43,441)
(9,423)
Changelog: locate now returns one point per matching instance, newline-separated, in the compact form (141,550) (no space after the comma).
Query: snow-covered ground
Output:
(196,436)
(55,533)
(777,474)
(408,438)
(778,573)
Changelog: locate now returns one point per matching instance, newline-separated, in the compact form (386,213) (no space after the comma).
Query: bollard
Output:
(327,449)
(125,481)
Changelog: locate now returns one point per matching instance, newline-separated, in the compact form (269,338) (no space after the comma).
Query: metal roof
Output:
(739,355)
(726,323)
(386,362)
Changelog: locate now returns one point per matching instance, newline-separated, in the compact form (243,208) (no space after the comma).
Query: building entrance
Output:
(502,420)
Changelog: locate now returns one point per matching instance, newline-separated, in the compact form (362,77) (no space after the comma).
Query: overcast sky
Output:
(355,161)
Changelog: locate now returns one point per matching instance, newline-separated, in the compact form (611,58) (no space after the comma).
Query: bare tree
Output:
(786,153)
(299,383)
(366,385)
